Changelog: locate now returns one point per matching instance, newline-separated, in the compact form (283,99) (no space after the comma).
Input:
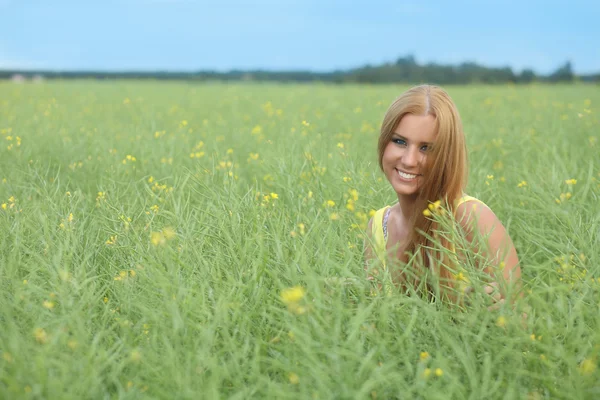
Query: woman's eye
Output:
(399,141)
(424,148)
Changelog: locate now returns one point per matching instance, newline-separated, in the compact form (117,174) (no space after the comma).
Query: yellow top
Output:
(380,239)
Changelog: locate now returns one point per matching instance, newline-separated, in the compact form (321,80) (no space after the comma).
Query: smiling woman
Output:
(423,155)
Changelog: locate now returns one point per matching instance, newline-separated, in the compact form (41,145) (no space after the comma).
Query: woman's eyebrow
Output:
(399,136)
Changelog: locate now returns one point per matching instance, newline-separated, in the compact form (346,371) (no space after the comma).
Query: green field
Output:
(149,229)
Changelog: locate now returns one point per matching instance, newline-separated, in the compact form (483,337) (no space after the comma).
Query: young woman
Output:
(423,155)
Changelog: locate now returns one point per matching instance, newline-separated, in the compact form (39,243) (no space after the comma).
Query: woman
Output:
(423,155)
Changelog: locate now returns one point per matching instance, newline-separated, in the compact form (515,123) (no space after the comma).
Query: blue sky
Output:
(318,35)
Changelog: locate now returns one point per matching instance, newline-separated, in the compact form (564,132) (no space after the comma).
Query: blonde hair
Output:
(446,168)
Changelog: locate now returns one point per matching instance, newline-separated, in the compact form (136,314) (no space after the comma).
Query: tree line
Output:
(403,70)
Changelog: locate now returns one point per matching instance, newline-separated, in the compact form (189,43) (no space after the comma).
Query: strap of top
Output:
(466,198)
(385,220)
(379,238)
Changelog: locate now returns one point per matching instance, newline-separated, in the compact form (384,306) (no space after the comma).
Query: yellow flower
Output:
(4,206)
(157,239)
(293,294)
(435,205)
(439,372)
(522,184)
(40,335)
(426,212)
(274,196)
(571,181)
(169,233)
(501,321)
(48,304)
(426,372)
(334,216)
(423,356)
(294,379)
(330,203)
(302,228)
(256,130)
(587,367)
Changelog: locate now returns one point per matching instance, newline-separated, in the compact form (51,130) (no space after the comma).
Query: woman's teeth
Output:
(406,176)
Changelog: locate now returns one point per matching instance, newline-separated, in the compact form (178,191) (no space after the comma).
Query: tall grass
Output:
(137,262)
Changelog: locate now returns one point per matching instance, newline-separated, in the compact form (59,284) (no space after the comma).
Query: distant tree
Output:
(408,61)
(526,76)
(562,74)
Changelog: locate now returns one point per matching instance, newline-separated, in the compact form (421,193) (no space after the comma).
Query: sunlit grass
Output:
(171,240)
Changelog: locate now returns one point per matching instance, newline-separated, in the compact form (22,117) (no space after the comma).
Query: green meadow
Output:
(174,240)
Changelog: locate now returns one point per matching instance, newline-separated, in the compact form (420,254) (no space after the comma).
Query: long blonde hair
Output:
(446,171)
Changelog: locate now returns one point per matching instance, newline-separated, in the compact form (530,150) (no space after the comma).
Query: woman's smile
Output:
(405,176)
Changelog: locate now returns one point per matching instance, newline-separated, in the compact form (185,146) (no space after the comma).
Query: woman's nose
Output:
(410,158)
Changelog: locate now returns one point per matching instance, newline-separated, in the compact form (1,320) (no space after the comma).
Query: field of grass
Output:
(151,234)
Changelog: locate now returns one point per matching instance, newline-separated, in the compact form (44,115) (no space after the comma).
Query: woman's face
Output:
(405,155)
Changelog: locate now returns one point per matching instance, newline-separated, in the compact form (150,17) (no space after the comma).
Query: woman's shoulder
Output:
(469,208)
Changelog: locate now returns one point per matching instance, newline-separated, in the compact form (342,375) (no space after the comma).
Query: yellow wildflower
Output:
(40,335)
(587,367)
(501,321)
(571,182)
(293,294)
(439,372)
(169,233)
(48,304)
(522,184)
(294,379)
(423,356)
(157,239)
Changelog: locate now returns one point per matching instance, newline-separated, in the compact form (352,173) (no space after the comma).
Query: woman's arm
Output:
(478,220)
